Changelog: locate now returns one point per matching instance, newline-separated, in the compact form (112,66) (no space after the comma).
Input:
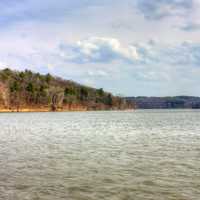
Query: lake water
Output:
(141,155)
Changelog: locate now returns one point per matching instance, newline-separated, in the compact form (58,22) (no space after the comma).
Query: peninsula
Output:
(26,91)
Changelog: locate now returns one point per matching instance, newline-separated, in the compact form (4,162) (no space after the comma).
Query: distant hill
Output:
(28,91)
(165,102)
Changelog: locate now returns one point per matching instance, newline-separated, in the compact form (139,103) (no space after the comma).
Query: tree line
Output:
(26,89)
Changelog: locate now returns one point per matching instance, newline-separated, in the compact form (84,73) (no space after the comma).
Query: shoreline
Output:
(27,110)
(32,110)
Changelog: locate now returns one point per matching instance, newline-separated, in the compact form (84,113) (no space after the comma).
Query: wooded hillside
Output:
(24,90)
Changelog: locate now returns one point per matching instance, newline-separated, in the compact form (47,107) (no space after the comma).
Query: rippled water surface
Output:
(141,155)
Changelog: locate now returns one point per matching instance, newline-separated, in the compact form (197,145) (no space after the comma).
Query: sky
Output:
(129,47)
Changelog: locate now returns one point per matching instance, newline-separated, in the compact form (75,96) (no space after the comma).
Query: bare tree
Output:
(56,96)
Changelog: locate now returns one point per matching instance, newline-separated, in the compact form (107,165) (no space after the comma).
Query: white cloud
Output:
(2,65)
(108,50)
(183,54)
(98,73)
(100,49)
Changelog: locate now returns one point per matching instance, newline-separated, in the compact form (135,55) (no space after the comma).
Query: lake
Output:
(140,155)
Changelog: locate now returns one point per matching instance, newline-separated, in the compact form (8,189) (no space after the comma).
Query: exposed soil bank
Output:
(48,109)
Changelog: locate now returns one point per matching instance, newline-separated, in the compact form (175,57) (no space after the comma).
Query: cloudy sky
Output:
(129,47)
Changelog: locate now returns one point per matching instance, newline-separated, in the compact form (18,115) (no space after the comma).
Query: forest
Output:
(28,90)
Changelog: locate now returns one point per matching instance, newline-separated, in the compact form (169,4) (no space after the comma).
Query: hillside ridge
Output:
(28,91)
(174,102)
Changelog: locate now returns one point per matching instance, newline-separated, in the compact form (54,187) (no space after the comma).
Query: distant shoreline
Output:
(174,102)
